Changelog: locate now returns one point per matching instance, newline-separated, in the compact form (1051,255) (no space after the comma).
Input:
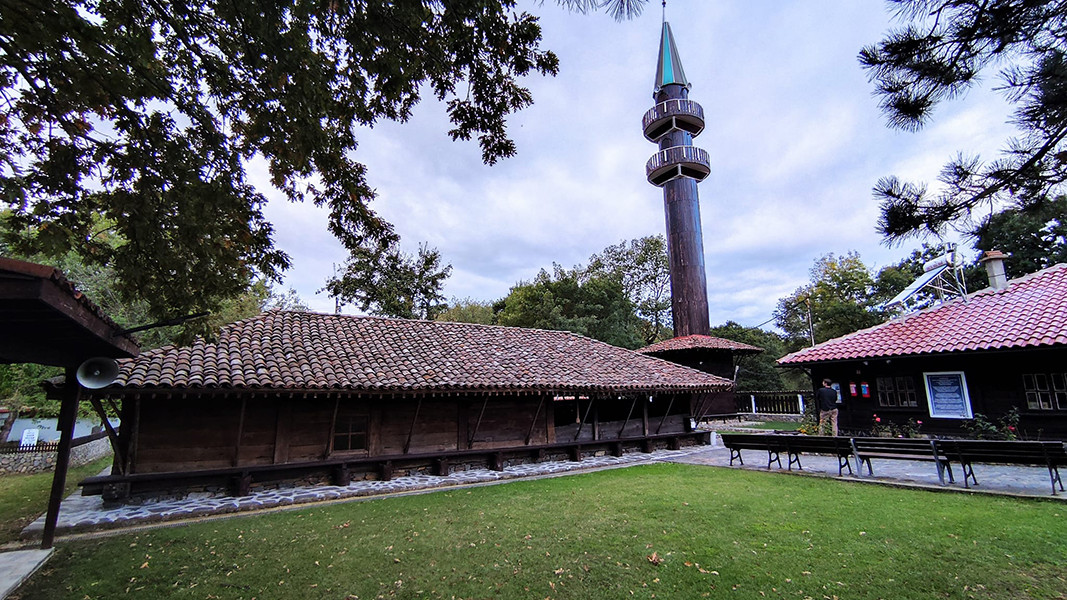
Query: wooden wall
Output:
(172,434)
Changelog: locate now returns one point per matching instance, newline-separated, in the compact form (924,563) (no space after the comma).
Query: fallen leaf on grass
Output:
(654,558)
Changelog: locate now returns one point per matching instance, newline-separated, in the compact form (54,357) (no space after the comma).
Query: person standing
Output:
(826,398)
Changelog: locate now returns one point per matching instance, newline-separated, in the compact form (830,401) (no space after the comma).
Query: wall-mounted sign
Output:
(29,437)
(946,395)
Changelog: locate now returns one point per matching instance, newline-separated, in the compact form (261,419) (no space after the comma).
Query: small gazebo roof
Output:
(689,343)
(46,320)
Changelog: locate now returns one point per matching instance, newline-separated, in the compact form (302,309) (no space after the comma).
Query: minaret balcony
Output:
(676,113)
(679,161)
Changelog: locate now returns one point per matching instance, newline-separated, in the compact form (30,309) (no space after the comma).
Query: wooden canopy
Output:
(45,320)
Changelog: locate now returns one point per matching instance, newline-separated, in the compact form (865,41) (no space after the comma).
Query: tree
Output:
(939,53)
(567,300)
(468,310)
(386,281)
(146,113)
(757,372)
(644,270)
(1035,238)
(838,300)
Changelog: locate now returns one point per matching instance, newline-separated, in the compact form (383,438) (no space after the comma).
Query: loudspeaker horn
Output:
(98,372)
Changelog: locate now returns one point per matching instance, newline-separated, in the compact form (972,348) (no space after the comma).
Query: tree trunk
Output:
(5,429)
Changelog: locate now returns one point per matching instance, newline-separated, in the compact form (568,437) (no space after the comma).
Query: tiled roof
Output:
(1031,311)
(301,351)
(690,342)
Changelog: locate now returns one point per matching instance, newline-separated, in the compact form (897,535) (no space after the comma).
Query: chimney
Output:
(994,268)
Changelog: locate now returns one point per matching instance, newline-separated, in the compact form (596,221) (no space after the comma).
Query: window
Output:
(1045,391)
(350,430)
(897,391)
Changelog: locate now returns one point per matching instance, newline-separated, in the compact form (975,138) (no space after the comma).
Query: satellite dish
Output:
(98,372)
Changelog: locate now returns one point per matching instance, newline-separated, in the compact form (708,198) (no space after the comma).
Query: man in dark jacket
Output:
(826,399)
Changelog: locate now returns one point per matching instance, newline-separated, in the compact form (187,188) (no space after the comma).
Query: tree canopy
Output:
(147,113)
(839,299)
(1035,238)
(391,283)
(567,300)
(644,270)
(942,49)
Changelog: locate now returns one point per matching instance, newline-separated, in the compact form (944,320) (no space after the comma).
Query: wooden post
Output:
(240,433)
(68,414)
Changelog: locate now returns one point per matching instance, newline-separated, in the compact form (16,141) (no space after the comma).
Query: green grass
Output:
(662,530)
(779,425)
(24,497)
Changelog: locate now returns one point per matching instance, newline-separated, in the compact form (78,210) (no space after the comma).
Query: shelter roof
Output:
(700,342)
(287,350)
(46,320)
(1030,312)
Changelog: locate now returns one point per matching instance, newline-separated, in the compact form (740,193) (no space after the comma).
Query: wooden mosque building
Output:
(307,397)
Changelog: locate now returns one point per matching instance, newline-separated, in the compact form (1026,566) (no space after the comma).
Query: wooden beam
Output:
(411,430)
(628,415)
(533,423)
(582,422)
(112,436)
(68,415)
(477,424)
(670,405)
(281,431)
(135,433)
(333,427)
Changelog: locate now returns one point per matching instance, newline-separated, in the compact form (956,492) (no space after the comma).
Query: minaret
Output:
(677,168)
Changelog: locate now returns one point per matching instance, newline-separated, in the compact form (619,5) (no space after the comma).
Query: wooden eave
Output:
(45,320)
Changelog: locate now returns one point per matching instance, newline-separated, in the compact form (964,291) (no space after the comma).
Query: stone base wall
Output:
(40,462)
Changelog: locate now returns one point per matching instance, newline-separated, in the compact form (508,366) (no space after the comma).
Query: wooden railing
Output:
(772,402)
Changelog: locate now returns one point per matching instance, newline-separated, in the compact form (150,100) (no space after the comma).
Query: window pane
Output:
(1042,382)
(1031,400)
(1028,383)
(1058,382)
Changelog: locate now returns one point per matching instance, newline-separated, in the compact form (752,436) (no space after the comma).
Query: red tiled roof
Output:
(300,350)
(690,342)
(1031,311)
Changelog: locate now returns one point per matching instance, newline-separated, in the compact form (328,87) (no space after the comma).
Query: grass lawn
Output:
(661,530)
(24,497)
(778,425)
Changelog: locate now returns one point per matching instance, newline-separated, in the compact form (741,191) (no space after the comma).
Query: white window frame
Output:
(962,379)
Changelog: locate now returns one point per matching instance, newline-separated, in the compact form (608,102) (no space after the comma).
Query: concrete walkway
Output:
(17,566)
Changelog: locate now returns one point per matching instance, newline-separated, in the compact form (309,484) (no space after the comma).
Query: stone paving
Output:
(81,513)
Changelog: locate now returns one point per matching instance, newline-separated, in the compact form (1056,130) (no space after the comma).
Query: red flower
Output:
(877,420)
(918,422)
(1011,428)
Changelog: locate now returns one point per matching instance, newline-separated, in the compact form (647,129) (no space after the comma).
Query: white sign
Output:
(946,395)
(29,437)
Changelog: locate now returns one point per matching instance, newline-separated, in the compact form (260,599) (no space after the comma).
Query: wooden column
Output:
(68,414)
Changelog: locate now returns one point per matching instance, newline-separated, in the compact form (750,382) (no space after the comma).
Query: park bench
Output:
(771,442)
(839,447)
(864,449)
(966,452)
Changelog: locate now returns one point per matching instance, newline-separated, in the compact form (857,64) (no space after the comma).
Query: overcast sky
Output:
(795,137)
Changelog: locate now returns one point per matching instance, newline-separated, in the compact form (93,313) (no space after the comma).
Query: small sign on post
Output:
(29,437)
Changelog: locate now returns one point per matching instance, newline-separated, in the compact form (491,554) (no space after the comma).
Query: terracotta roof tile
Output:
(301,350)
(1030,311)
(690,342)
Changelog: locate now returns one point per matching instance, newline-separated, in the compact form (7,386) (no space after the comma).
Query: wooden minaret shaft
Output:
(685,241)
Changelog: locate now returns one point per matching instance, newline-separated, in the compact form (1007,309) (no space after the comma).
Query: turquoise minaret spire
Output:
(677,168)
